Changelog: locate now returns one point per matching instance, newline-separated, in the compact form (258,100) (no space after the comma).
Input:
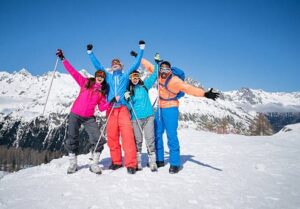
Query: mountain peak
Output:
(23,72)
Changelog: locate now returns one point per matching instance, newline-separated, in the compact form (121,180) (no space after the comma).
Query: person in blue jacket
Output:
(119,122)
(141,107)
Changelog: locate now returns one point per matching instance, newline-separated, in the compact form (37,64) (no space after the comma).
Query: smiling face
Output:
(135,78)
(116,64)
(164,71)
(99,76)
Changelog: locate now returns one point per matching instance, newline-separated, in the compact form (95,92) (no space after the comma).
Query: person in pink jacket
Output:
(92,93)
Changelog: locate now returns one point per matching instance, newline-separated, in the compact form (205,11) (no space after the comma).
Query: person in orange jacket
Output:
(167,114)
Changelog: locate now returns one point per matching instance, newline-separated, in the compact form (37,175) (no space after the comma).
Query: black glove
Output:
(60,54)
(141,42)
(89,47)
(133,53)
(211,95)
(113,100)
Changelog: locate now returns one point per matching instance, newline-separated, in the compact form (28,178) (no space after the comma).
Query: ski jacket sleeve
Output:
(148,65)
(96,62)
(136,63)
(80,79)
(152,78)
(103,104)
(176,85)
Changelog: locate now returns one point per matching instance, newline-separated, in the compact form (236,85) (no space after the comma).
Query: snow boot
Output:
(94,167)
(174,169)
(160,163)
(152,161)
(73,163)
(139,161)
(114,166)
(131,170)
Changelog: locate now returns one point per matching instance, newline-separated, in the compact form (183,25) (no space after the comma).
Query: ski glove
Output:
(211,95)
(127,95)
(157,58)
(113,100)
(89,47)
(60,54)
(142,44)
(133,53)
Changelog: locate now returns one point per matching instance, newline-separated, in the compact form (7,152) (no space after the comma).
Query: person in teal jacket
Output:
(141,107)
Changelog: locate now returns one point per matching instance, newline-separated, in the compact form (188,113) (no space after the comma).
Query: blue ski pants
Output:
(167,119)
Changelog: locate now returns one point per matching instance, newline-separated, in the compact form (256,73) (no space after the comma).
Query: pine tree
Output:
(261,126)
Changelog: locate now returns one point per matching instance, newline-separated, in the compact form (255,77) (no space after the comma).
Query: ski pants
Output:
(147,125)
(168,121)
(118,124)
(91,127)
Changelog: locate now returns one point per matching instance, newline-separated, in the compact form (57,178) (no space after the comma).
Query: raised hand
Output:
(60,54)
(211,95)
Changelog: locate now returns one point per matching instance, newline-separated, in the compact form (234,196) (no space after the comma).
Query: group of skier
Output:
(129,113)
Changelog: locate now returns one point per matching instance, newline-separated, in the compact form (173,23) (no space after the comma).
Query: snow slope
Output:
(219,171)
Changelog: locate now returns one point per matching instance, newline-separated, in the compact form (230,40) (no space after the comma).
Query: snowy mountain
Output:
(219,171)
(23,96)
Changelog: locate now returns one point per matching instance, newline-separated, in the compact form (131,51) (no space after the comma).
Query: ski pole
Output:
(104,127)
(55,67)
(139,125)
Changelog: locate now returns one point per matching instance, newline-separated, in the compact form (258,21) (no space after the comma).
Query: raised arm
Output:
(148,65)
(94,60)
(152,78)
(176,85)
(137,60)
(80,79)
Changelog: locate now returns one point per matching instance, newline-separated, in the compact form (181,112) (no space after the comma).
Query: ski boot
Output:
(160,163)
(174,169)
(139,161)
(152,161)
(114,166)
(94,167)
(131,170)
(73,163)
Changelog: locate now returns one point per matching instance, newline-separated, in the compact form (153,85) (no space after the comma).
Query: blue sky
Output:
(223,44)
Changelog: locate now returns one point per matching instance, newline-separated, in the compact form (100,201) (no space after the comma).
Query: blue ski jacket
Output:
(117,81)
(140,100)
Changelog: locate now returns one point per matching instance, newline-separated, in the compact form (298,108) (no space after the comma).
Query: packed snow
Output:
(219,171)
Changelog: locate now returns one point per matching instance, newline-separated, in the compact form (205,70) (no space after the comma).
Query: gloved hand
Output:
(127,95)
(113,100)
(157,58)
(89,48)
(60,54)
(142,44)
(211,95)
(133,53)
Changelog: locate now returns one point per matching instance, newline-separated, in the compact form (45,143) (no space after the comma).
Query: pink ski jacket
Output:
(87,99)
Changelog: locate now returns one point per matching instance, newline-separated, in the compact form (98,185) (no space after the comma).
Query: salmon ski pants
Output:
(119,124)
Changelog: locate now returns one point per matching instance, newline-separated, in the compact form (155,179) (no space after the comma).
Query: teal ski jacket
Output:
(140,100)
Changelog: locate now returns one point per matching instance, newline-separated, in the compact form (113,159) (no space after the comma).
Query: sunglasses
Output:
(100,74)
(164,70)
(135,76)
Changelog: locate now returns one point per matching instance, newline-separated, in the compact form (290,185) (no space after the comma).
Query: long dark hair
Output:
(104,85)
(130,86)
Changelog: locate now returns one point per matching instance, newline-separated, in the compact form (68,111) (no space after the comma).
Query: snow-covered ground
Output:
(219,171)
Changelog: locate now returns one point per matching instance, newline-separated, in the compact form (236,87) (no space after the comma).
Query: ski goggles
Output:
(116,62)
(100,74)
(164,70)
(135,76)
